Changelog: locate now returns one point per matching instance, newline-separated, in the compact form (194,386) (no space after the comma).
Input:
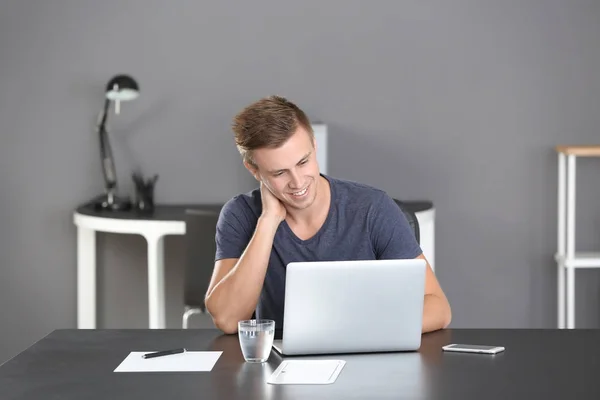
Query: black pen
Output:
(163,353)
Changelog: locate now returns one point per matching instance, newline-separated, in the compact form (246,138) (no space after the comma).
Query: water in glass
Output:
(256,339)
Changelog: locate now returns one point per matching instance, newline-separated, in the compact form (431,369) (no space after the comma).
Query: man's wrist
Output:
(268,222)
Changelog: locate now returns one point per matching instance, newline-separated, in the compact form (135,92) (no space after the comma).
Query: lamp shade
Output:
(122,88)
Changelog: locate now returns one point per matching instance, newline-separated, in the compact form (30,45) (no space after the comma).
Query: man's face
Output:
(290,172)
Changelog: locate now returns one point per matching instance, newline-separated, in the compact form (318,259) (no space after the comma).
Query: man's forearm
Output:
(236,295)
(436,313)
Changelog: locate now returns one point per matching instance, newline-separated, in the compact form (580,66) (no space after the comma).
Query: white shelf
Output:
(567,177)
(581,260)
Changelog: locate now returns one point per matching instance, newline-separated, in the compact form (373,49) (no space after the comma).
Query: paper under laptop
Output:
(306,372)
(190,361)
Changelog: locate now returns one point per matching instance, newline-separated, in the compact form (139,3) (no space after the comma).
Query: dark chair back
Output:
(412,219)
(200,248)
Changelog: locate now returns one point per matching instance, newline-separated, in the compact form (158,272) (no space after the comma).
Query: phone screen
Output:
(471,347)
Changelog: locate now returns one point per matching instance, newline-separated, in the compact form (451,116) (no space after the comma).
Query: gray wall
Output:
(459,102)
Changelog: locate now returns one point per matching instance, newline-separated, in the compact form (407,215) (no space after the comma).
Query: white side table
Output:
(566,257)
(166,220)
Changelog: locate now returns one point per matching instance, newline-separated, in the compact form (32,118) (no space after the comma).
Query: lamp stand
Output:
(109,201)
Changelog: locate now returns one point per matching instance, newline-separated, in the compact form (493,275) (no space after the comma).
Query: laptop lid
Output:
(353,306)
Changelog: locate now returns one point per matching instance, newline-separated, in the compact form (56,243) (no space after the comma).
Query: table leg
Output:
(570,250)
(86,278)
(156,282)
(571,298)
(562,197)
(561,296)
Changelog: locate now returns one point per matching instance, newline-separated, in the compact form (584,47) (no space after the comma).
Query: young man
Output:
(299,214)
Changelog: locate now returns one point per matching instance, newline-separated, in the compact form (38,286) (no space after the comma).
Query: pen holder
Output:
(144,193)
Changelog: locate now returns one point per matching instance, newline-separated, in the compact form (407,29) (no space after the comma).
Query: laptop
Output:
(334,307)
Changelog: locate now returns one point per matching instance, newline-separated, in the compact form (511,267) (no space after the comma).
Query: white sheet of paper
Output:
(306,372)
(188,361)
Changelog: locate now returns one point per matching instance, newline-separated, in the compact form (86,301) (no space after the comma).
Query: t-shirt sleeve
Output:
(391,234)
(234,229)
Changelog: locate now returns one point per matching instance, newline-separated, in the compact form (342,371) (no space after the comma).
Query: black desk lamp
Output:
(119,88)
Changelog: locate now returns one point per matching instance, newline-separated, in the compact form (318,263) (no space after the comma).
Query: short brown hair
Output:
(267,123)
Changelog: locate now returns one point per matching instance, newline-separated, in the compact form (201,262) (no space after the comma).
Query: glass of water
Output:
(256,338)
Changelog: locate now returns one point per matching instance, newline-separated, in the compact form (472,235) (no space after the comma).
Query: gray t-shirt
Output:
(363,223)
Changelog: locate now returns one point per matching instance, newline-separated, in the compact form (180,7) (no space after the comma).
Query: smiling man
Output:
(299,214)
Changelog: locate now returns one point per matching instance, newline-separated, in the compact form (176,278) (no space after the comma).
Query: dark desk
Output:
(162,212)
(537,364)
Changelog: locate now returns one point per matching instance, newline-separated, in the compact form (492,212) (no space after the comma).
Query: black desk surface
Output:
(177,212)
(537,364)
(162,212)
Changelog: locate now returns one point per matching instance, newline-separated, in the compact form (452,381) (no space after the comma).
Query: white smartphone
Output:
(473,348)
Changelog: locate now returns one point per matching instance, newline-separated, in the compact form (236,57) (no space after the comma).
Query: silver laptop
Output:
(352,307)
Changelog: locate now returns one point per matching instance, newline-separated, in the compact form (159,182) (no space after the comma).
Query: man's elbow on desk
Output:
(226,325)
(447,317)
(222,322)
(437,313)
